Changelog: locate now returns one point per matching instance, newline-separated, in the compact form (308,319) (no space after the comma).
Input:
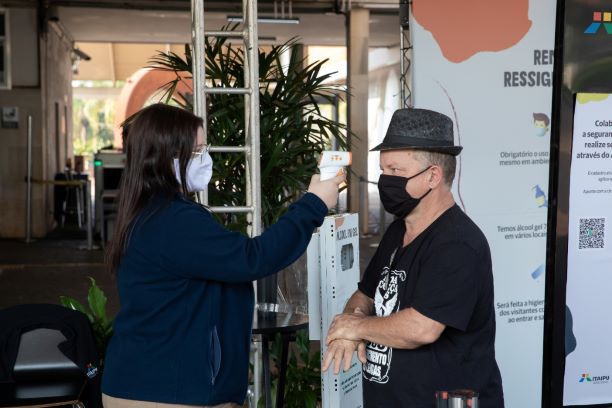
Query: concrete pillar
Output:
(358,31)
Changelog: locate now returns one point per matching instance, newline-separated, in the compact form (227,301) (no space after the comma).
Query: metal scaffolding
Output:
(251,113)
(405,55)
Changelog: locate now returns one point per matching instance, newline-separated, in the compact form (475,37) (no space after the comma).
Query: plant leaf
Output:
(73,304)
(97,302)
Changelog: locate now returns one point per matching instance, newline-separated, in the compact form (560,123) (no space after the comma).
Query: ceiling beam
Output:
(380,7)
(227,6)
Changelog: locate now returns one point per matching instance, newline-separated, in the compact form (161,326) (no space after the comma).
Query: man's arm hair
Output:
(406,329)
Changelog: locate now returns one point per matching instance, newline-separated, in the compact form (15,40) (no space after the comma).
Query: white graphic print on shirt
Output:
(386,302)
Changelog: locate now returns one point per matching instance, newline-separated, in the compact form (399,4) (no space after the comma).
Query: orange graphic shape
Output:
(465,28)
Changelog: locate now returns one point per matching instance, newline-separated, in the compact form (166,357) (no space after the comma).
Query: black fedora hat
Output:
(420,129)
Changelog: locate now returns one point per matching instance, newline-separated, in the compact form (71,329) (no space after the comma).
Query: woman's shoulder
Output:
(173,209)
(177,216)
(181,205)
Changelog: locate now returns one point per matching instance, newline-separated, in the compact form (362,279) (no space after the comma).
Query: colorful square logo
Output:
(600,18)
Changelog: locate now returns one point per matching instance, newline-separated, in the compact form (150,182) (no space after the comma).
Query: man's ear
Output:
(435,176)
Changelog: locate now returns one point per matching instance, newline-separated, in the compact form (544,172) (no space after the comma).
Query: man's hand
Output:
(339,350)
(346,326)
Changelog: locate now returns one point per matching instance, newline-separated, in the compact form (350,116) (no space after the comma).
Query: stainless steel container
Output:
(457,399)
(463,399)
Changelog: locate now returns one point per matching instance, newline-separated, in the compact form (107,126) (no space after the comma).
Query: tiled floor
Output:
(42,271)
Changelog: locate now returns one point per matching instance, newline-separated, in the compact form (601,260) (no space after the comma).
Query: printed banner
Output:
(588,364)
(488,65)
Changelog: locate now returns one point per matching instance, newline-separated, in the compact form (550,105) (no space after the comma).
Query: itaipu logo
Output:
(92,370)
(600,18)
(596,379)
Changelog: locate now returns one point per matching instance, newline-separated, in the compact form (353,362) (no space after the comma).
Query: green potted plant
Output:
(101,324)
(293,130)
(303,384)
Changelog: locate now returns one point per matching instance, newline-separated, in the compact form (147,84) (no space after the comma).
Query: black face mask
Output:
(395,198)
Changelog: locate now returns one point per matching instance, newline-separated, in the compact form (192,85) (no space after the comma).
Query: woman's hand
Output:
(326,190)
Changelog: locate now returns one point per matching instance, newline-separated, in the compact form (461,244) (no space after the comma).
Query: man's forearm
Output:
(361,301)
(406,329)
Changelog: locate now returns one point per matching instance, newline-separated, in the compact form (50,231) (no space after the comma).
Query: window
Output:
(4,50)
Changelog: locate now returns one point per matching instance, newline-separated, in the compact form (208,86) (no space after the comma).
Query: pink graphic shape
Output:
(465,28)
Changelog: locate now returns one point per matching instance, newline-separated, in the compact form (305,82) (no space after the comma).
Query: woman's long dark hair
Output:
(158,134)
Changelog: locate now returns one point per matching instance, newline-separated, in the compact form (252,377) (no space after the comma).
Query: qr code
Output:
(591,233)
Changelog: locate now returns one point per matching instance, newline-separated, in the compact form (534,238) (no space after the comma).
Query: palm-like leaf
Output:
(293,130)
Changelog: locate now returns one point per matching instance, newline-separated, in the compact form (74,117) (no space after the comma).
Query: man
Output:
(422,319)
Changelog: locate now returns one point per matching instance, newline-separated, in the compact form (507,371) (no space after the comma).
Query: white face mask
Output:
(199,171)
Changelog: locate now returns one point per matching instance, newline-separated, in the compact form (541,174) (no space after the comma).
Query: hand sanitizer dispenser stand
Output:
(333,274)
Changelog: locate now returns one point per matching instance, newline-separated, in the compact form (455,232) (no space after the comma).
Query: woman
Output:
(182,335)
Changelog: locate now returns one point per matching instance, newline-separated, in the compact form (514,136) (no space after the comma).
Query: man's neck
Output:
(426,213)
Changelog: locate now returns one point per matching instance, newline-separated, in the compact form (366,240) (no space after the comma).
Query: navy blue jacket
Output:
(183,332)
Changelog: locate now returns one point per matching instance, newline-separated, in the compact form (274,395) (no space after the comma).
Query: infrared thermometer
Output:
(331,163)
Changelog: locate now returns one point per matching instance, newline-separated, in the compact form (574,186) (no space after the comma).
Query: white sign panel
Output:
(588,367)
(313,266)
(335,266)
(10,117)
(488,66)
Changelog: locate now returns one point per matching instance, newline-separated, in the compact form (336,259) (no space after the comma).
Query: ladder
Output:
(406,100)
(251,114)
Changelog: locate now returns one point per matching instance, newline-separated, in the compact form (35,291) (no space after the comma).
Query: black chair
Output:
(48,357)
(43,375)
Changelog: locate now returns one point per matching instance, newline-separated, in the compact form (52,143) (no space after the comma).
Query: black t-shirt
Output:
(446,275)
